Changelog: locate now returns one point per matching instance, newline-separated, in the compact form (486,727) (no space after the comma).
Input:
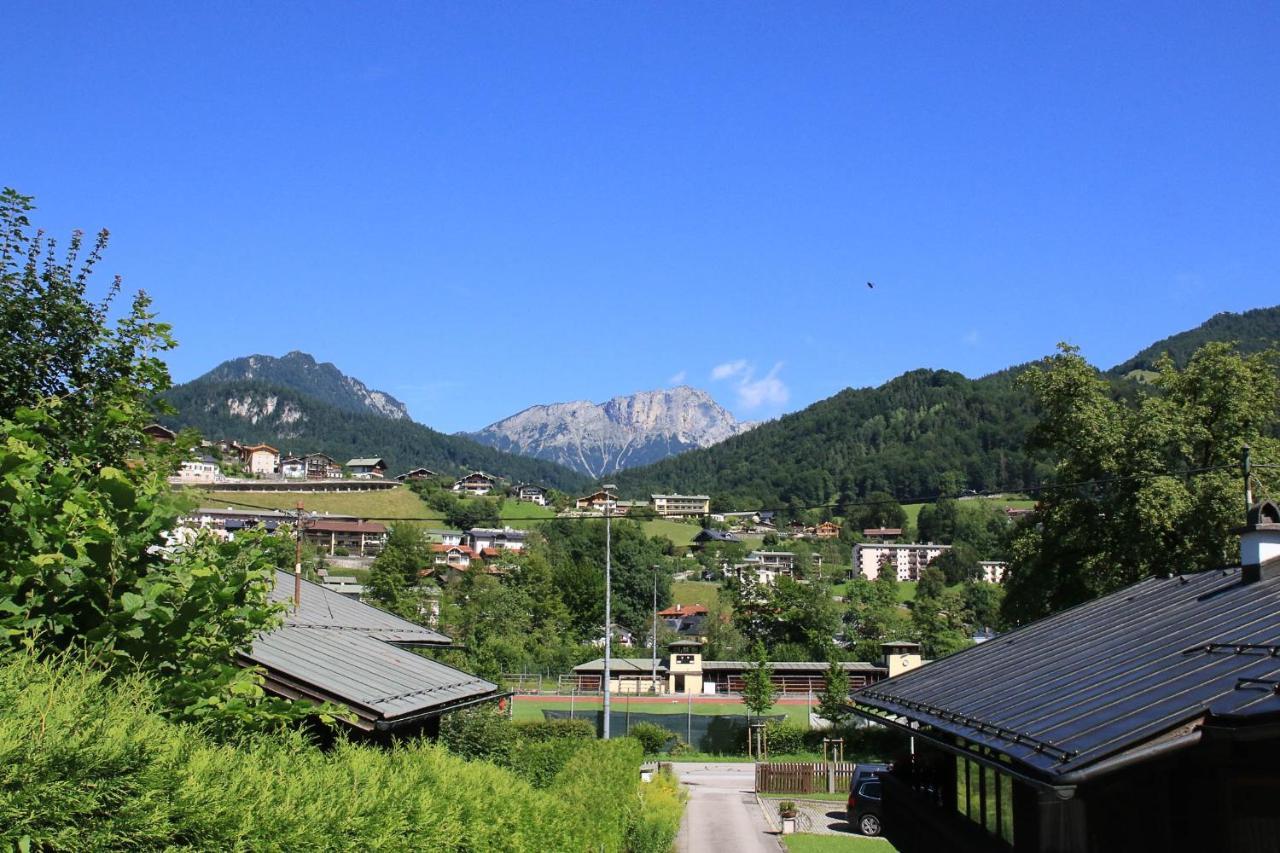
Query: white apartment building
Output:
(203,470)
(678,505)
(907,560)
(993,570)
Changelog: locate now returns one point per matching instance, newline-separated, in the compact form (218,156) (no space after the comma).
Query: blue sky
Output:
(478,207)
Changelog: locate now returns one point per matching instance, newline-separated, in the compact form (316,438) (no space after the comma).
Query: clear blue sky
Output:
(478,207)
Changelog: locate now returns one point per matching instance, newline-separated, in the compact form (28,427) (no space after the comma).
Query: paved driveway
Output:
(722,813)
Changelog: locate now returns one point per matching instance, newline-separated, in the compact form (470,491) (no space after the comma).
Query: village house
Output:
(360,538)
(476,484)
(372,468)
(260,459)
(416,474)
(293,468)
(906,560)
(677,506)
(322,467)
(1141,720)
(530,494)
(202,470)
(446,537)
(453,556)
(707,537)
(598,501)
(159,433)
(778,561)
(503,539)
(827,530)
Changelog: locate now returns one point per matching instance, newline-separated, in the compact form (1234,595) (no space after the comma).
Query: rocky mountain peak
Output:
(599,438)
(300,372)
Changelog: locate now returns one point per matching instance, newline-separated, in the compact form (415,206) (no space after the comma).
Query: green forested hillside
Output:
(295,423)
(1253,331)
(901,437)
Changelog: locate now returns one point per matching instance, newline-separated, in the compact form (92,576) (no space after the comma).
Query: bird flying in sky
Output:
(871,284)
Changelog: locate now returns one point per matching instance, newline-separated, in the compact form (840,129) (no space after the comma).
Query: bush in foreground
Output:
(88,765)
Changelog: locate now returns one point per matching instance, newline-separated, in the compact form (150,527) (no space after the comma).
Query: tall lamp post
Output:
(653,676)
(608,597)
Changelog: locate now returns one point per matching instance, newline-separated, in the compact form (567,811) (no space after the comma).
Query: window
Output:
(870,790)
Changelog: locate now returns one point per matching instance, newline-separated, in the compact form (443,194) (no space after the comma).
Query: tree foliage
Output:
(1148,486)
(758,692)
(833,701)
(87,559)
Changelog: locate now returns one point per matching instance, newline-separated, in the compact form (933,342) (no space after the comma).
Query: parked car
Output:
(864,810)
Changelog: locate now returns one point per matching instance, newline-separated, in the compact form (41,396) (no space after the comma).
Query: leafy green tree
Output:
(833,701)
(395,578)
(958,564)
(932,583)
(1161,479)
(982,602)
(758,692)
(89,558)
(940,623)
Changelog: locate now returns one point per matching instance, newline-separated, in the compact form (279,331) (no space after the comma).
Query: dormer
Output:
(1260,540)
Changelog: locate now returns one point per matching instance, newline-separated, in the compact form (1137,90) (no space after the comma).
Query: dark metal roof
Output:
(1077,687)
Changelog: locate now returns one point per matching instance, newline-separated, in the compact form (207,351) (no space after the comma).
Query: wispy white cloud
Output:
(769,390)
(729,369)
(677,378)
(972,337)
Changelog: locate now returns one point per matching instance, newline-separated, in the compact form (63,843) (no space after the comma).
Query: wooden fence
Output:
(804,777)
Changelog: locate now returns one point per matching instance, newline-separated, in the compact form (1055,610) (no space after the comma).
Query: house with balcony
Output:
(260,459)
(476,484)
(530,494)
(905,560)
(322,467)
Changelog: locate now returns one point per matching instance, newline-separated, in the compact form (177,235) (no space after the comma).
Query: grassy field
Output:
(677,531)
(803,842)
(694,592)
(524,514)
(388,504)
(913,510)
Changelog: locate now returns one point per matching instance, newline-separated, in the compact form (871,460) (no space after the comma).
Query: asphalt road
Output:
(722,813)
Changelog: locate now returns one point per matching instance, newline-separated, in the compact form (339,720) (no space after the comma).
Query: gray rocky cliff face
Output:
(600,438)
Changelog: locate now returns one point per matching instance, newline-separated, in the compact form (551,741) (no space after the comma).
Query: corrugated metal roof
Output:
(324,608)
(375,678)
(338,649)
(1087,683)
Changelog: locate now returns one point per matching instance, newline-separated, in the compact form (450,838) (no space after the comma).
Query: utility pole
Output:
(297,561)
(653,677)
(608,598)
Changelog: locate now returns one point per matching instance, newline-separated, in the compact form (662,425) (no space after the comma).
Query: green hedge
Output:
(87,765)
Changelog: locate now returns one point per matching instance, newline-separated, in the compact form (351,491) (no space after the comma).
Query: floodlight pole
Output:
(608,599)
(297,562)
(653,676)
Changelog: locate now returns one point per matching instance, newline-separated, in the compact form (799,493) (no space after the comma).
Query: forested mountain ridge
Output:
(899,437)
(300,372)
(906,435)
(624,432)
(1253,331)
(254,411)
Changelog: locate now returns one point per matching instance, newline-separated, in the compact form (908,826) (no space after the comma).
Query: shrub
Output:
(540,730)
(478,732)
(658,819)
(539,762)
(653,737)
(784,738)
(88,765)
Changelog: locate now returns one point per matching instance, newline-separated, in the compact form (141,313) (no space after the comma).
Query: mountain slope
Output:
(904,435)
(1253,330)
(600,439)
(255,411)
(300,372)
(899,437)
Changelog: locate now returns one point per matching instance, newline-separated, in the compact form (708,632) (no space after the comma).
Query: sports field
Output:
(531,707)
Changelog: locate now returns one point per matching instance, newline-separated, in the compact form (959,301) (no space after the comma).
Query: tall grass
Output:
(87,765)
